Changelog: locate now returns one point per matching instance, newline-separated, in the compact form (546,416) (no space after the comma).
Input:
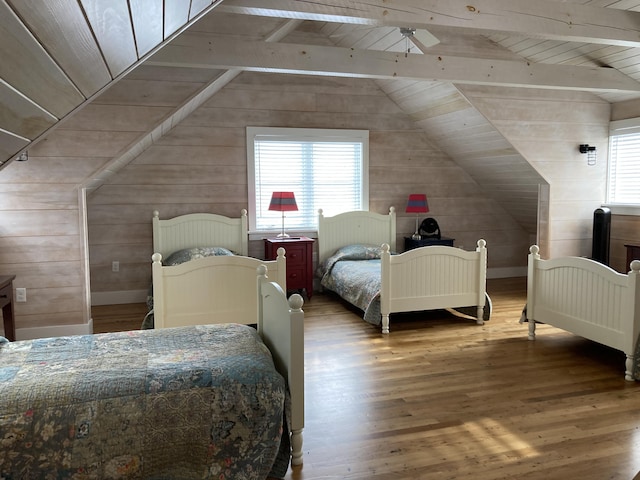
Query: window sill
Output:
(271,234)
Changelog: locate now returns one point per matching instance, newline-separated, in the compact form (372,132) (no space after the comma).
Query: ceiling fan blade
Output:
(423,39)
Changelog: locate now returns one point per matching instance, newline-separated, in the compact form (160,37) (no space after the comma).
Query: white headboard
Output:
(353,228)
(200,230)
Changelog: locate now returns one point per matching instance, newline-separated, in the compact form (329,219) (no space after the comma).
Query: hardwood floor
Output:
(117,318)
(443,398)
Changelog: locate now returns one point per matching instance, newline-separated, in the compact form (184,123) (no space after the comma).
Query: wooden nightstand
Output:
(299,254)
(410,243)
(6,303)
(633,253)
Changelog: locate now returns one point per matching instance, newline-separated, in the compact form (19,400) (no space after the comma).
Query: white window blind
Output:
(325,169)
(624,162)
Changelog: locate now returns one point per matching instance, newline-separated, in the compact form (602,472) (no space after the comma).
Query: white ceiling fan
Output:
(422,39)
(397,39)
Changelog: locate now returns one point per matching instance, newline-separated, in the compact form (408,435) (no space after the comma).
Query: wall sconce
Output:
(591,153)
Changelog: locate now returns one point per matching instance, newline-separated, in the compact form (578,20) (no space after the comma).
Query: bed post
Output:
(482,290)
(157,282)
(534,256)
(283,332)
(634,292)
(385,286)
(244,234)
(156,231)
(281,266)
(296,377)
(392,229)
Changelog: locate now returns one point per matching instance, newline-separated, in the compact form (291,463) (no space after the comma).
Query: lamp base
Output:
(416,235)
(283,235)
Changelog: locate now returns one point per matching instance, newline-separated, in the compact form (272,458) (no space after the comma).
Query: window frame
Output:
(617,127)
(301,134)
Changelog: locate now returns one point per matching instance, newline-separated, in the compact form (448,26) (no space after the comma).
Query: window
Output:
(325,169)
(624,162)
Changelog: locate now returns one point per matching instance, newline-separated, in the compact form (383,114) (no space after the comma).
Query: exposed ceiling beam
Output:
(175,117)
(348,62)
(539,19)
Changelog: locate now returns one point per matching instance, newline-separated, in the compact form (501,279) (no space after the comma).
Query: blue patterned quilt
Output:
(179,403)
(353,272)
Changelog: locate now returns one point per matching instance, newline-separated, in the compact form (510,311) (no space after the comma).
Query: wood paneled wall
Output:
(42,210)
(546,127)
(625,229)
(41,238)
(201,165)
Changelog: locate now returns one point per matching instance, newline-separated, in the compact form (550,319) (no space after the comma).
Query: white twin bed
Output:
(435,277)
(206,401)
(588,299)
(223,288)
(206,289)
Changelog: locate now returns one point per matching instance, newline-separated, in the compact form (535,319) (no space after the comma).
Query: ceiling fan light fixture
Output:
(407,31)
(422,39)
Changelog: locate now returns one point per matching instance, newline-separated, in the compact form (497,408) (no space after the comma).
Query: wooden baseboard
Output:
(118,297)
(54,331)
(507,272)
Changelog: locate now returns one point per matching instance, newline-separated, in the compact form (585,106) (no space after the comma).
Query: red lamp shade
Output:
(417,203)
(283,202)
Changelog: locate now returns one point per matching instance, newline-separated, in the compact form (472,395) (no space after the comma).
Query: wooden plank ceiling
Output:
(60,54)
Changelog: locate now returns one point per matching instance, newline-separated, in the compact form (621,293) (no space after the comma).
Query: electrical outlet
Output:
(21,294)
(115,266)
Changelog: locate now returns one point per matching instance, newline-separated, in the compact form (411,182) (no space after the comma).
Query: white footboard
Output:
(281,326)
(433,277)
(586,298)
(216,289)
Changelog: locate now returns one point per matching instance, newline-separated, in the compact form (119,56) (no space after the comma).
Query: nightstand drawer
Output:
(296,277)
(296,255)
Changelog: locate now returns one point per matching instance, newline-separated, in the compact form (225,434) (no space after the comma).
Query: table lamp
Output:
(283,202)
(417,204)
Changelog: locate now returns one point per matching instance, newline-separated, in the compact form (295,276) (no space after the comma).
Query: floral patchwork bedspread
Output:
(179,403)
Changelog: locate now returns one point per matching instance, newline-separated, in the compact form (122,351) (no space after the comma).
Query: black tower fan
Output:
(601,235)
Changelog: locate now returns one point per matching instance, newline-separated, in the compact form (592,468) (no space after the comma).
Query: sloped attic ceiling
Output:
(57,55)
(61,55)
